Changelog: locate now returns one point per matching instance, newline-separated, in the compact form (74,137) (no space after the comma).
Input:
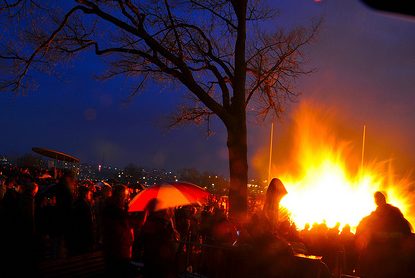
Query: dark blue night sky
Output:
(365,65)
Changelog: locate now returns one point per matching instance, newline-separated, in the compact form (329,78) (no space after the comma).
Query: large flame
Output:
(328,184)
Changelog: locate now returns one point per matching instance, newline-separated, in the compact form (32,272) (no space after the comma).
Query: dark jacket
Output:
(158,238)
(117,234)
(81,236)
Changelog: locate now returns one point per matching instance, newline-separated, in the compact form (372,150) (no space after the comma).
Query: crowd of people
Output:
(51,215)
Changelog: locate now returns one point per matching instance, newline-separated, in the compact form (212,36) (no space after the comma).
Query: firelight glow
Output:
(324,189)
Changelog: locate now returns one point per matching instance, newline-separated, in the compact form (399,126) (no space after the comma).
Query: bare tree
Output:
(222,51)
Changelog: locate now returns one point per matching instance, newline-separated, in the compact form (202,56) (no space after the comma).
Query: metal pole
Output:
(270,152)
(363,146)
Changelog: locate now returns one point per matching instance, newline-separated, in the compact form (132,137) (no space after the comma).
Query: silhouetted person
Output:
(10,196)
(389,218)
(81,236)
(347,240)
(26,237)
(380,237)
(268,255)
(64,200)
(117,233)
(182,222)
(223,231)
(137,220)
(18,246)
(206,223)
(275,192)
(9,215)
(3,188)
(100,203)
(158,238)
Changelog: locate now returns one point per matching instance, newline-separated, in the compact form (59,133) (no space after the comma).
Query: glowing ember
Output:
(324,189)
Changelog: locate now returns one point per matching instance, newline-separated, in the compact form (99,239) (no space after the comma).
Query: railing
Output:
(213,261)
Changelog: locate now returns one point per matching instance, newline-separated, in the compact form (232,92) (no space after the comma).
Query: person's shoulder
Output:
(393,209)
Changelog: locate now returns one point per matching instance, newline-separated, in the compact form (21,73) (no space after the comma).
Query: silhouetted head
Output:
(346,229)
(106,191)
(380,198)
(277,187)
(151,205)
(68,180)
(85,193)
(120,194)
(30,188)
(275,192)
(11,182)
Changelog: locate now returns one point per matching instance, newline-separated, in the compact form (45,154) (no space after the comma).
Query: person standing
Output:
(64,200)
(275,192)
(380,238)
(26,242)
(81,236)
(9,215)
(117,233)
(159,240)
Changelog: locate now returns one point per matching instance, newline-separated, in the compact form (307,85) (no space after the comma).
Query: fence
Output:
(212,261)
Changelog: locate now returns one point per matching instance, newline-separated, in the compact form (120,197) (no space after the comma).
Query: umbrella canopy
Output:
(56,155)
(102,184)
(169,195)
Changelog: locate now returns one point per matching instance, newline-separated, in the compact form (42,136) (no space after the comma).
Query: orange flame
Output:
(324,187)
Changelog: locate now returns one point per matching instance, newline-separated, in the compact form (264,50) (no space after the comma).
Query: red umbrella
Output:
(169,195)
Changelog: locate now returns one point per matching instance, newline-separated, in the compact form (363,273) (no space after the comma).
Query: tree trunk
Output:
(236,127)
(238,167)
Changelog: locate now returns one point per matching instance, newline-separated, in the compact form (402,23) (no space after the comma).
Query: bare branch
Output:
(158,40)
(42,47)
(125,12)
(213,9)
(274,63)
(190,115)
